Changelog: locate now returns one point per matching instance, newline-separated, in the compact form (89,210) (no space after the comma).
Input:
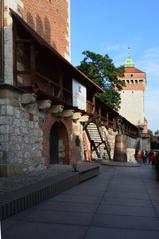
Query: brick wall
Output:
(50,18)
(133,77)
(46,127)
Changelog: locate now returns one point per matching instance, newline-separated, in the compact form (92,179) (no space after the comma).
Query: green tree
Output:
(103,72)
(150,132)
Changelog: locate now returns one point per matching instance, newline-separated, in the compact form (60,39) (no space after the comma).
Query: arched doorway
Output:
(59,144)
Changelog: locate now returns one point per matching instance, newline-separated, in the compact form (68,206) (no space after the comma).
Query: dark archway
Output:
(59,144)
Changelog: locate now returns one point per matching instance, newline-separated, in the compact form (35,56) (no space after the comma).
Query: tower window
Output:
(131,75)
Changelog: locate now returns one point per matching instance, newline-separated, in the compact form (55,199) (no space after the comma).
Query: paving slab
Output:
(126,210)
(122,202)
(102,233)
(34,230)
(26,190)
(126,222)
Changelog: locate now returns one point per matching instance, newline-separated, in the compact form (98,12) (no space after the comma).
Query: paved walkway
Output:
(120,203)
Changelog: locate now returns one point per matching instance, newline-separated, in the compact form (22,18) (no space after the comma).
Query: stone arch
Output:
(59,144)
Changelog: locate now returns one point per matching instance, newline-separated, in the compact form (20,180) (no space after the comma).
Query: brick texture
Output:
(50,18)
(46,128)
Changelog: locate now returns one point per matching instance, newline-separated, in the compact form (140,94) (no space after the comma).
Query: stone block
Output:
(2,129)
(27,155)
(28,98)
(4,146)
(3,157)
(10,110)
(17,113)
(36,118)
(3,120)
(17,131)
(4,138)
(56,109)
(3,109)
(44,104)
(26,139)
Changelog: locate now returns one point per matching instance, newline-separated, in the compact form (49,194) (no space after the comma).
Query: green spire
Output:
(129,62)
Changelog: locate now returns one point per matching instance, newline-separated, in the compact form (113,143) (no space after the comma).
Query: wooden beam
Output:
(14,55)
(1,40)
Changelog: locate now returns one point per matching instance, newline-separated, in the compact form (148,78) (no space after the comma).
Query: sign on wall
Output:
(79,95)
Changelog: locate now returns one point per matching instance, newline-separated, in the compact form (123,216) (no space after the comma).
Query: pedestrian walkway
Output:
(29,189)
(120,203)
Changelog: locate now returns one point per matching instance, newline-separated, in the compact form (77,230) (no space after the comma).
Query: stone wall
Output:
(111,138)
(146,143)
(20,135)
(132,142)
(25,132)
(78,146)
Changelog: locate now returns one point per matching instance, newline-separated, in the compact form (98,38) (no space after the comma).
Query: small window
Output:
(131,75)
(132,81)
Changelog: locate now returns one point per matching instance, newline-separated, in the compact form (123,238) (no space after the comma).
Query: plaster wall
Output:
(132,106)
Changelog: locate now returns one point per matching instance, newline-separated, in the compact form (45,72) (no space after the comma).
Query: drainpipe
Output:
(1,41)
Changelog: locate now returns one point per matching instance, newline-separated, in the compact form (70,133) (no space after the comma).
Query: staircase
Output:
(100,147)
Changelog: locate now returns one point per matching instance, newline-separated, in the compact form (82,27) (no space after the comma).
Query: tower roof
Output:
(129,61)
(132,70)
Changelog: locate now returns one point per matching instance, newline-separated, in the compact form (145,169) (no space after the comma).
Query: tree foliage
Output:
(103,72)
(150,132)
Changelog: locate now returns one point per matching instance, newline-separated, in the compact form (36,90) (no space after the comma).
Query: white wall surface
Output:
(132,106)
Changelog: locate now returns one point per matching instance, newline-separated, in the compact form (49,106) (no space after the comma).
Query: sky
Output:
(110,27)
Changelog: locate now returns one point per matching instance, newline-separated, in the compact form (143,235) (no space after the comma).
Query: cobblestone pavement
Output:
(122,202)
